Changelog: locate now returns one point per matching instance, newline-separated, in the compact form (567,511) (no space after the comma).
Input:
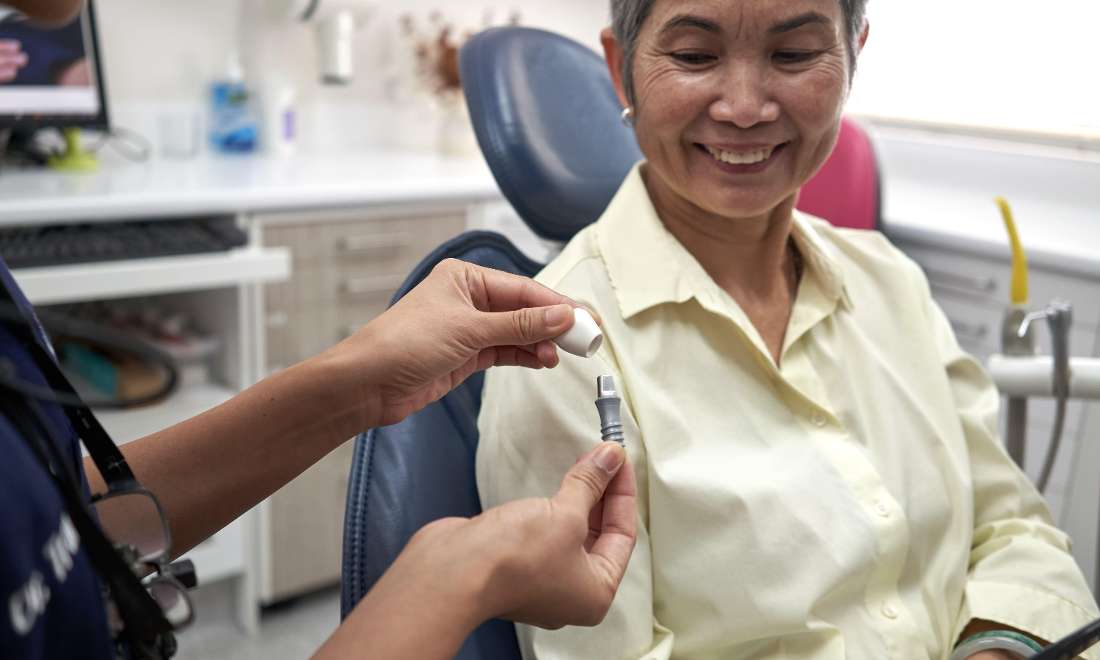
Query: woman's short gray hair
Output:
(628,17)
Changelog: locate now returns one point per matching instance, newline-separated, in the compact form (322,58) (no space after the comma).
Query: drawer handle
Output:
(373,242)
(361,286)
(970,331)
(966,283)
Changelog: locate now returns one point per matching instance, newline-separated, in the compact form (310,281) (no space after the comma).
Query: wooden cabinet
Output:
(973,291)
(346,267)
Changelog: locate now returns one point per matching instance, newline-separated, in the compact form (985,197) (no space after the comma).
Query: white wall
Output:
(993,63)
(166,51)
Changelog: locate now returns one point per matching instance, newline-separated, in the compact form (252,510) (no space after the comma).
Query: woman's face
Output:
(738,102)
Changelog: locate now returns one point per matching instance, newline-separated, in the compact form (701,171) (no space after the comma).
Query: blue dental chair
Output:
(547,120)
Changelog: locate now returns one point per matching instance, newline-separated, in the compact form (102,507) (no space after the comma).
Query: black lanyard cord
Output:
(1073,644)
(143,618)
(105,454)
(145,627)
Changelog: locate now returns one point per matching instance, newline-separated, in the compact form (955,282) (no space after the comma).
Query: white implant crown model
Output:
(584,338)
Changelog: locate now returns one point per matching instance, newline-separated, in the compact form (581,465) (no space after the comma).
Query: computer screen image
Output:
(50,75)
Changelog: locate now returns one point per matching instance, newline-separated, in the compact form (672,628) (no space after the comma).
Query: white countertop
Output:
(941,194)
(1059,231)
(240,184)
(1056,237)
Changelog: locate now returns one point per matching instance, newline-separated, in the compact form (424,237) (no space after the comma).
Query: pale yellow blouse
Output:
(853,502)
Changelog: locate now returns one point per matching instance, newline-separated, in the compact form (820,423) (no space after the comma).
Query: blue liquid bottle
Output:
(233,125)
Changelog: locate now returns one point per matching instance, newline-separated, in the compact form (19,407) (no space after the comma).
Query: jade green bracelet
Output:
(1001,640)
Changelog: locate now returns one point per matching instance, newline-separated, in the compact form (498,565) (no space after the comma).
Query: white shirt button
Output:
(889,611)
(818,420)
(883,509)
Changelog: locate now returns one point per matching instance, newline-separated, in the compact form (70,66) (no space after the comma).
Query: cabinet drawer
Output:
(988,282)
(975,279)
(313,284)
(379,235)
(296,334)
(382,239)
(307,518)
(306,284)
(278,336)
(315,238)
(350,319)
(977,328)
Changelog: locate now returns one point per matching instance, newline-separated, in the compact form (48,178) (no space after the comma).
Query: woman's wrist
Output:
(447,569)
(1010,643)
(359,370)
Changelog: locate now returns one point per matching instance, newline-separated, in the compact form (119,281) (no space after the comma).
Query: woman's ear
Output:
(863,34)
(613,53)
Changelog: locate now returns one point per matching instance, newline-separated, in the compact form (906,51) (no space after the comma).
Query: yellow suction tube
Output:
(1019,259)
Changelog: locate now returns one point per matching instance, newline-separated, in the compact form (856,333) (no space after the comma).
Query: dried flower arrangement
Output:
(436,47)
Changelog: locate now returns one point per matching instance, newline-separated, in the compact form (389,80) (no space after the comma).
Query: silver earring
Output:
(628,117)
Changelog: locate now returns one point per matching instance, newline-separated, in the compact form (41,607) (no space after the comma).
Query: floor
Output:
(290,631)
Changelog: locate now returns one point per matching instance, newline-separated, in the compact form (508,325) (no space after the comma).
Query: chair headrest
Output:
(548,122)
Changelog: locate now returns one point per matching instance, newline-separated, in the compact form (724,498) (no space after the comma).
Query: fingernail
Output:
(557,315)
(610,457)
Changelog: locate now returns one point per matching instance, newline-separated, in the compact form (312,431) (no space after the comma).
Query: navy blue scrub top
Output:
(52,605)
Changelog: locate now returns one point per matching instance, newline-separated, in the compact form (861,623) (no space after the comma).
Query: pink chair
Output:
(847,191)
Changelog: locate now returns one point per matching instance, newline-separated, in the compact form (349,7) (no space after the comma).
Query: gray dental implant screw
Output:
(607,403)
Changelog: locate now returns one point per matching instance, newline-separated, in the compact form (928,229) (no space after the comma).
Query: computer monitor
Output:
(51,75)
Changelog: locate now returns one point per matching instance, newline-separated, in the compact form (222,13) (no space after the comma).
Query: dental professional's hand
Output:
(567,554)
(12,59)
(548,562)
(461,319)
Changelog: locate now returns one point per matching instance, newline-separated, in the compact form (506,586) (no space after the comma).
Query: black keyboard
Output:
(52,245)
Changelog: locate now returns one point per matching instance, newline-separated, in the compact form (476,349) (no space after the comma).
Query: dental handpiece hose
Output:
(608,404)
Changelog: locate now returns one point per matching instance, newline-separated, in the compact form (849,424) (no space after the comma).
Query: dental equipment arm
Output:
(1014,342)
(1018,343)
(1031,376)
(1059,316)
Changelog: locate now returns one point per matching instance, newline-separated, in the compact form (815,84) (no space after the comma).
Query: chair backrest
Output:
(547,119)
(848,190)
(422,469)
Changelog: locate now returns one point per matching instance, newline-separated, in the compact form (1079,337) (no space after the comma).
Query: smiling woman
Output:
(735,117)
(819,473)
